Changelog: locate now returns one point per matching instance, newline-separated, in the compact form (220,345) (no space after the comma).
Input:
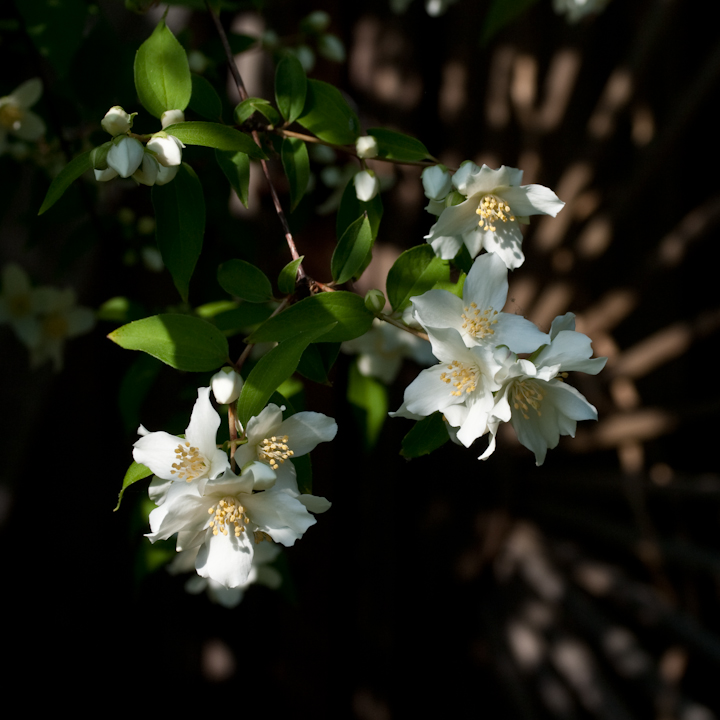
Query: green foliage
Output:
(416,271)
(369,398)
(162,74)
(71,172)
(181,341)
(204,100)
(288,276)
(345,310)
(352,253)
(290,88)
(214,135)
(317,360)
(236,166)
(296,164)
(397,146)
(135,472)
(180,225)
(427,435)
(327,115)
(351,209)
(248,107)
(245,281)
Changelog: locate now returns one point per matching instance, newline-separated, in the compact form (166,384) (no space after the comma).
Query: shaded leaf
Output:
(427,435)
(351,209)
(288,276)
(416,271)
(135,472)
(245,281)
(216,136)
(248,107)
(370,402)
(351,254)
(296,164)
(236,166)
(204,99)
(398,146)
(71,172)
(290,88)
(317,361)
(327,114)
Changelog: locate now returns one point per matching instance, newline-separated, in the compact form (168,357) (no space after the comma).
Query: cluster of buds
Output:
(155,163)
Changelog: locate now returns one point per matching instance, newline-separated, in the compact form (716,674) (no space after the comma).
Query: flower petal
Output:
(225,558)
(306,430)
(532,200)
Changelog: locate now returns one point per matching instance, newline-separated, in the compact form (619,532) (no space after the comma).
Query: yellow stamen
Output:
(491,209)
(274,450)
(190,463)
(11,116)
(228,512)
(462,377)
(526,394)
(477,323)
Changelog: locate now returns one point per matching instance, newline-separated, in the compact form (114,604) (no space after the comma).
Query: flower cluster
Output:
(42,318)
(221,516)
(155,163)
(16,118)
(482,381)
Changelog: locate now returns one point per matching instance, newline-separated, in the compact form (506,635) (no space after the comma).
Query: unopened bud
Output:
(226,385)
(98,156)
(366,146)
(366,185)
(375,301)
(437,182)
(117,121)
(147,173)
(125,156)
(170,117)
(166,148)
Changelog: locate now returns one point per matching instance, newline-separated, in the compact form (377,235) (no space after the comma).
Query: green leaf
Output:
(181,341)
(204,100)
(351,253)
(397,146)
(369,398)
(303,470)
(290,88)
(162,73)
(245,281)
(180,225)
(236,166)
(242,319)
(288,275)
(135,472)
(351,209)
(416,271)
(248,107)
(296,164)
(216,136)
(327,115)
(344,308)
(134,387)
(272,369)
(71,172)
(427,435)
(317,361)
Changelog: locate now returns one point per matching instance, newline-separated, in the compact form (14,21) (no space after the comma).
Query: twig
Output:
(398,324)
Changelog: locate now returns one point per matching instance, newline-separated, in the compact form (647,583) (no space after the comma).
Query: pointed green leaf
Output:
(214,135)
(162,73)
(344,308)
(181,341)
(416,271)
(290,88)
(71,172)
(236,166)
(351,254)
(245,281)
(351,209)
(427,435)
(317,361)
(248,107)
(288,276)
(397,146)
(204,100)
(369,399)
(180,225)
(327,114)
(296,164)
(135,472)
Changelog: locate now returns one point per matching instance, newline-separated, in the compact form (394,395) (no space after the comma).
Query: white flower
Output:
(61,319)
(21,305)
(437,182)
(195,457)
(366,146)
(460,387)
(226,521)
(575,10)
(226,385)
(501,204)
(15,116)
(117,121)
(170,117)
(148,171)
(383,348)
(166,148)
(125,156)
(366,185)
(105,175)
(478,317)
(534,398)
(272,440)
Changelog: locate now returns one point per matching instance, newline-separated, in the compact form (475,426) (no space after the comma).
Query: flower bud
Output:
(317,21)
(454,198)
(166,148)
(437,182)
(166,174)
(366,146)
(147,173)
(461,176)
(117,121)
(105,175)
(375,301)
(125,156)
(170,117)
(331,48)
(366,185)
(226,385)
(98,156)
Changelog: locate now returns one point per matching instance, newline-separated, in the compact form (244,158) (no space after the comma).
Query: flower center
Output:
(19,305)
(491,209)
(461,376)
(274,450)
(55,326)
(479,323)
(525,395)
(228,511)
(11,116)
(190,463)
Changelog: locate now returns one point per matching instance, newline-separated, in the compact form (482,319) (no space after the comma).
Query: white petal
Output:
(571,350)
(486,283)
(532,200)
(125,156)
(204,423)
(506,242)
(28,93)
(455,220)
(31,128)
(518,333)
(225,558)
(445,246)
(439,309)
(305,430)
(157,452)
(278,514)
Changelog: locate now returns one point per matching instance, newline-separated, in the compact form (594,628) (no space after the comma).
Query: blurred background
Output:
(441,586)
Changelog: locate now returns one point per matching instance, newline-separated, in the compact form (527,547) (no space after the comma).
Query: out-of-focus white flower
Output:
(16,118)
(331,48)
(117,121)
(477,316)
(366,146)
(21,305)
(166,148)
(226,385)
(366,186)
(501,204)
(435,8)
(575,10)
(125,156)
(61,319)
(382,349)
(170,117)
